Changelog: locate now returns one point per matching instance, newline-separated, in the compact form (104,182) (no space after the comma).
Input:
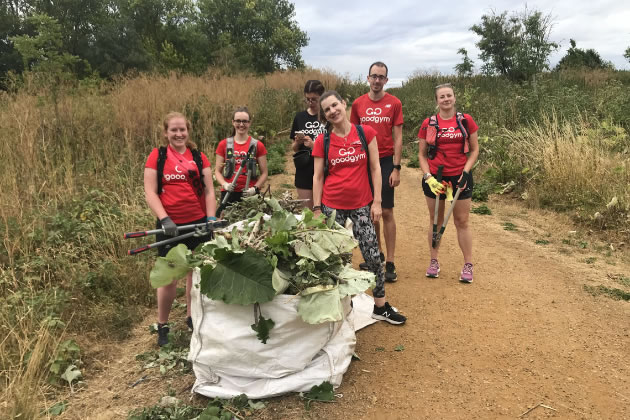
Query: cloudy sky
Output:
(411,36)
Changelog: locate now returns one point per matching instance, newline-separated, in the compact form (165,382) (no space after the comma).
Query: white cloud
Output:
(346,36)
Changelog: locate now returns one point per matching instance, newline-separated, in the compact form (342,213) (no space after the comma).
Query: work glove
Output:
(250,191)
(228,187)
(169,227)
(449,190)
(464,180)
(436,187)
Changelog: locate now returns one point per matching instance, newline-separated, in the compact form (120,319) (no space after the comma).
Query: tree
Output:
(627,54)
(261,35)
(465,68)
(515,46)
(578,58)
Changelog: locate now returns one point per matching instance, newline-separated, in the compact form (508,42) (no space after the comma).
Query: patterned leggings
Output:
(363,230)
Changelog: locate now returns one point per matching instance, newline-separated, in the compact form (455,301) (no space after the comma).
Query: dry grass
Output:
(573,165)
(71,184)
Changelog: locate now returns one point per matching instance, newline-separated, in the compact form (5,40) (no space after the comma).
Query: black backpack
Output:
(364,147)
(462,124)
(230,160)
(198,185)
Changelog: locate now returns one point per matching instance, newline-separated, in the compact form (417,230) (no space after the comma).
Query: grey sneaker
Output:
(434,269)
(467,273)
(364,266)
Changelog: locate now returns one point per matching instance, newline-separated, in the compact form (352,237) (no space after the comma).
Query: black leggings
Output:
(363,230)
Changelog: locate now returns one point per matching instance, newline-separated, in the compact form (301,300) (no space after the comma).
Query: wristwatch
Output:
(427,176)
(397,167)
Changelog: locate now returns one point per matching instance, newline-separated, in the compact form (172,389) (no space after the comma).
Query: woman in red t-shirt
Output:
(187,197)
(346,190)
(241,121)
(448,146)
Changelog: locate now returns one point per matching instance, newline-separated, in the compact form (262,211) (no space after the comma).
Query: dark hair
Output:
(240,109)
(314,86)
(444,85)
(378,64)
(325,95)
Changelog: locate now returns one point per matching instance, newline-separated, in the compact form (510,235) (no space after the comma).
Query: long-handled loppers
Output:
(460,186)
(199,229)
(438,176)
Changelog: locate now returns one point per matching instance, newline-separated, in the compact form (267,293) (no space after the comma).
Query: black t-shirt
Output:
(312,127)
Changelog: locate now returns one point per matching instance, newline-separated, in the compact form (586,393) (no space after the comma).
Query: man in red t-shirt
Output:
(383,112)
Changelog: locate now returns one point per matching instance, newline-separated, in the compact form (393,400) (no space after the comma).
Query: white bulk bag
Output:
(228,359)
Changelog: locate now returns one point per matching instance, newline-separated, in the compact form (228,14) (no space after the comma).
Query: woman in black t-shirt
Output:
(306,127)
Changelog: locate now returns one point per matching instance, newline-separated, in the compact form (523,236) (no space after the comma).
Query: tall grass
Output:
(71,184)
(581,165)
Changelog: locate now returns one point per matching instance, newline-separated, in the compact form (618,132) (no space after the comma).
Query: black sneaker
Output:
(364,266)
(189,323)
(162,334)
(390,272)
(388,314)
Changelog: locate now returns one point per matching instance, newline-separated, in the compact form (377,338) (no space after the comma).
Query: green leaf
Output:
(172,267)
(262,328)
(256,405)
(281,221)
(399,347)
(330,222)
(58,408)
(321,306)
(280,281)
(71,374)
(274,204)
(279,243)
(241,278)
(323,392)
(355,281)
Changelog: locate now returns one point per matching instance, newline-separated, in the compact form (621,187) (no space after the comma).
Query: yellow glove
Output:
(436,187)
(449,192)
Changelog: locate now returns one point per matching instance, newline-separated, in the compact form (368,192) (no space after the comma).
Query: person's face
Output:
(312,100)
(177,132)
(241,122)
(334,109)
(377,78)
(445,98)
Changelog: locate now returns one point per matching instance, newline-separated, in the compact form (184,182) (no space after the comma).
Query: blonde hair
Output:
(172,115)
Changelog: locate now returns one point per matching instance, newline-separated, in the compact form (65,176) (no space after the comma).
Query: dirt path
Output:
(526,332)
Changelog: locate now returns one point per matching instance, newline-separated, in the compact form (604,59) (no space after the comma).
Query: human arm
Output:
(394,178)
(154,202)
(211,203)
(375,171)
(218,173)
(151,195)
(473,154)
(318,184)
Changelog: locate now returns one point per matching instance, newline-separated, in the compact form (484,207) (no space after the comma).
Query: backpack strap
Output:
(251,159)
(229,148)
(160,167)
(197,158)
(462,124)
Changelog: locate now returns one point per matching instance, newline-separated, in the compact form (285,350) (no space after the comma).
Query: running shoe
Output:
(434,269)
(390,272)
(388,314)
(162,331)
(467,273)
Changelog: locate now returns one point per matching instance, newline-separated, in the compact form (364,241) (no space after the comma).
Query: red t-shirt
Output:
(450,144)
(347,186)
(382,115)
(180,183)
(240,152)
